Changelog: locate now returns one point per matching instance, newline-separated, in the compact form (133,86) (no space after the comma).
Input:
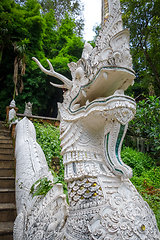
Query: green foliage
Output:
(146,178)
(138,161)
(13,120)
(74,9)
(148,185)
(50,34)
(146,123)
(143,20)
(27,32)
(60,179)
(41,187)
(48,139)
(22,39)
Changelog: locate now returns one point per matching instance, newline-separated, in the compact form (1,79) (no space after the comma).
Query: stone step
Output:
(7,237)
(7,172)
(5,136)
(4,129)
(6,145)
(7,195)
(6,151)
(5,133)
(6,141)
(7,212)
(6,164)
(6,157)
(2,126)
(6,230)
(7,182)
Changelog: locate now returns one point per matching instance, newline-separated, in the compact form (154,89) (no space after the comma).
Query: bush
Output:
(138,161)
(146,124)
(48,138)
(148,185)
(146,177)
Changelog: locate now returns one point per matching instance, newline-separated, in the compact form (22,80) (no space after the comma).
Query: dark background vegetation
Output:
(43,29)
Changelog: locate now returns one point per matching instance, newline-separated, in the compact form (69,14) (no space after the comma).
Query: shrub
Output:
(48,138)
(138,161)
(146,124)
(148,185)
(146,177)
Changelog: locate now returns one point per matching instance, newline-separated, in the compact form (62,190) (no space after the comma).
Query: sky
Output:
(92,16)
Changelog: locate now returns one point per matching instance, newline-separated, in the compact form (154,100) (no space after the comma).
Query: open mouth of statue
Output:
(105,83)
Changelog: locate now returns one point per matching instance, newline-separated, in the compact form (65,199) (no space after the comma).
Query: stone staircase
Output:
(7,185)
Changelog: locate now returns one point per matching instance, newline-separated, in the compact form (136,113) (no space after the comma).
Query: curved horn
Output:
(66,81)
(58,85)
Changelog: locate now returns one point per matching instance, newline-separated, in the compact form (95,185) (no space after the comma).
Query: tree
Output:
(50,34)
(96,29)
(30,33)
(67,48)
(143,19)
(73,8)
(23,33)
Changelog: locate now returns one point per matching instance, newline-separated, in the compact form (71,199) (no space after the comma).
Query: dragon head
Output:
(94,102)
(102,70)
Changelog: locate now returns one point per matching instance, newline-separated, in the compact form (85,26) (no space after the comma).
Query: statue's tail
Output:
(39,214)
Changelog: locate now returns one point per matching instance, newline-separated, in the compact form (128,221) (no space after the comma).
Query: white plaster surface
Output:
(12,114)
(31,166)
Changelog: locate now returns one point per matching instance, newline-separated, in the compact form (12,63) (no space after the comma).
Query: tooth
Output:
(76,106)
(84,93)
(87,102)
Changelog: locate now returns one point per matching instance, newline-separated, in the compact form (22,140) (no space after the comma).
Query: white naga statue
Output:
(103,203)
